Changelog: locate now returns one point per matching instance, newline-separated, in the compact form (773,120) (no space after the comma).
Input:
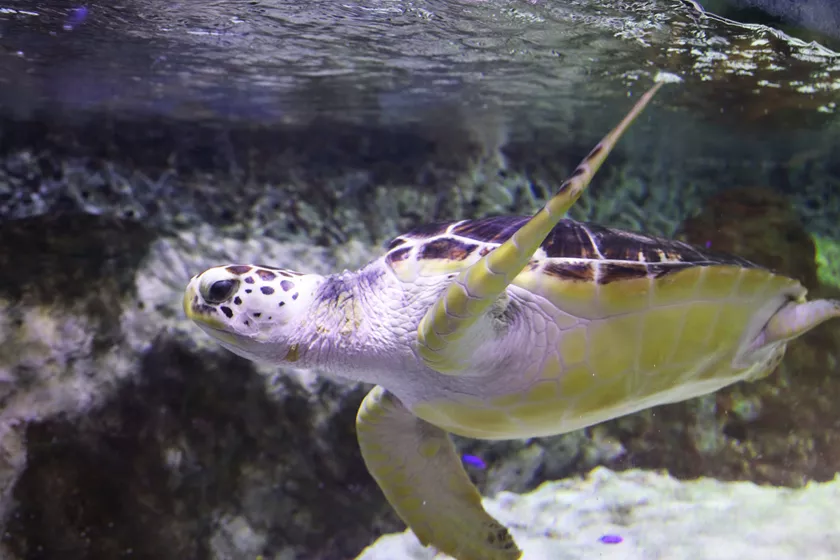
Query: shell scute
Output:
(677,287)
(618,341)
(570,239)
(448,248)
(718,282)
(659,270)
(573,346)
(697,322)
(617,272)
(579,271)
(616,245)
(659,336)
(627,296)
(398,255)
(496,229)
(607,396)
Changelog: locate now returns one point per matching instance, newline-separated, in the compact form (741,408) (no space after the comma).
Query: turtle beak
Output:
(191,298)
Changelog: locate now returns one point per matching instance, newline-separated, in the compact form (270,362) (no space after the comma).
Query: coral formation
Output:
(638,515)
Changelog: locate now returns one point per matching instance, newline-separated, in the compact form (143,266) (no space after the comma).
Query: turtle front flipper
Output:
(417,468)
(479,286)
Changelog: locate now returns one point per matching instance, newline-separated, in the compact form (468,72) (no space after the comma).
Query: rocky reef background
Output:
(124,432)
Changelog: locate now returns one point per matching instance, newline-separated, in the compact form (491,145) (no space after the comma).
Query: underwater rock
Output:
(195,460)
(638,515)
(324,182)
(63,283)
(146,439)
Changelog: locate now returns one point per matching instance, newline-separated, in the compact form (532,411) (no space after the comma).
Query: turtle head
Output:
(254,311)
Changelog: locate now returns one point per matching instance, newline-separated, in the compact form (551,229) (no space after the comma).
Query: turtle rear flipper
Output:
(479,286)
(420,474)
(795,319)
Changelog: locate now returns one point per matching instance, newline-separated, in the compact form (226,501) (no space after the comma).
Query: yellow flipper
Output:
(478,287)
(419,472)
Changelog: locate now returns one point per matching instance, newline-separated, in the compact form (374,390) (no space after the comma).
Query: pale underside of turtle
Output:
(507,327)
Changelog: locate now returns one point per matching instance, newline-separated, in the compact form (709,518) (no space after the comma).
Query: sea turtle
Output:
(507,327)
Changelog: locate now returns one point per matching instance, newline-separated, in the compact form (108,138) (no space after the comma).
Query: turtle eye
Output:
(221,290)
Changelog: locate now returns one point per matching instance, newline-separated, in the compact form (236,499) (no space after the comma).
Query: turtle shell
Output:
(640,321)
(456,242)
(588,270)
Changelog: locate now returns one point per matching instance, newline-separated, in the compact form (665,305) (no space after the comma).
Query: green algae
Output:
(828,260)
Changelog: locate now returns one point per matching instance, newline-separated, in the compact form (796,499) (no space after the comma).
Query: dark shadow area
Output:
(64,257)
(149,474)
